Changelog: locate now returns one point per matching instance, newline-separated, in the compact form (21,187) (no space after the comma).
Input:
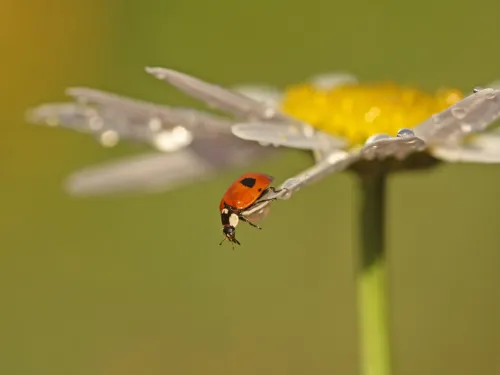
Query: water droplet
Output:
(466,128)
(308,131)
(172,140)
(269,112)
(405,132)
(109,138)
(491,95)
(458,112)
(476,89)
(287,191)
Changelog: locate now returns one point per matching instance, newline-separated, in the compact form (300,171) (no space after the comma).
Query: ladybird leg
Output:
(235,241)
(274,190)
(266,192)
(243,218)
(265,200)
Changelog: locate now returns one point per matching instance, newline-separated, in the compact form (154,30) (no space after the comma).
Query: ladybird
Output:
(241,196)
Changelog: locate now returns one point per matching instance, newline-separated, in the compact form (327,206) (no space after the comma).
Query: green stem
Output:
(371,277)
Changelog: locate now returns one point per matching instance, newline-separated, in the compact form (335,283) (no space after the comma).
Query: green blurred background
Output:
(125,285)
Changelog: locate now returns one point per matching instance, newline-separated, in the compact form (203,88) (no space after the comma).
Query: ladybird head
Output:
(229,222)
(229,233)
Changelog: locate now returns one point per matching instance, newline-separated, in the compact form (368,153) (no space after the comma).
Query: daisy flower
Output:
(371,129)
(361,127)
(343,123)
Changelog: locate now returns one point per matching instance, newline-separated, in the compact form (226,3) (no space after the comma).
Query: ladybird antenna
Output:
(225,238)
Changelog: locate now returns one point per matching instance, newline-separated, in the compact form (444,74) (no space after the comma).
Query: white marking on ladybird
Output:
(233,220)
(224,211)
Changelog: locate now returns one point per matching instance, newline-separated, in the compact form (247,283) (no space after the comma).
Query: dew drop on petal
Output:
(491,95)
(173,140)
(109,138)
(466,128)
(308,131)
(405,132)
(269,112)
(458,112)
(287,194)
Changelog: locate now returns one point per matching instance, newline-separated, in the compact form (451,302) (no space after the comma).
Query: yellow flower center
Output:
(358,111)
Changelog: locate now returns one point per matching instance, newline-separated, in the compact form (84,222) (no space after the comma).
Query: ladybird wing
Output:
(265,180)
(246,190)
(235,195)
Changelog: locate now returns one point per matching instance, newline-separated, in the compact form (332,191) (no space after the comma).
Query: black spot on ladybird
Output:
(260,189)
(248,182)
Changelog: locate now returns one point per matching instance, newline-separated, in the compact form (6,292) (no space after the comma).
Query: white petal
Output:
(335,162)
(145,173)
(331,80)
(470,115)
(262,93)
(218,97)
(103,114)
(139,113)
(202,159)
(283,134)
(484,148)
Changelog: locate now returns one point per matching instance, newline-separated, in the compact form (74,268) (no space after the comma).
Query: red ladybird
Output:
(242,195)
